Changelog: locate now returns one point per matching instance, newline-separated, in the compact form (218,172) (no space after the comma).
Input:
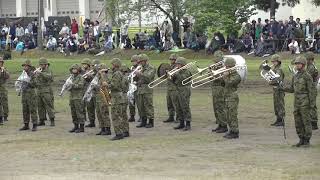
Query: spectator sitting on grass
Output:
(52,43)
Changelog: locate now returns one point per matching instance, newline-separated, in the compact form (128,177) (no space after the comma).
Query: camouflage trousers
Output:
(90,109)
(145,105)
(278,103)
(4,107)
(45,105)
(125,122)
(231,114)
(171,100)
(29,106)
(102,113)
(218,105)
(77,113)
(183,104)
(117,119)
(303,122)
(314,109)
(132,106)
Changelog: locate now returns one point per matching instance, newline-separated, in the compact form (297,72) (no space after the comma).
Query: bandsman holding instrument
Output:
(29,97)
(88,74)
(75,100)
(171,92)
(313,71)
(44,80)
(302,87)
(217,88)
(132,104)
(4,107)
(145,94)
(183,94)
(231,99)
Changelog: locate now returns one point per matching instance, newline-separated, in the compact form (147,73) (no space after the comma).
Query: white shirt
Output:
(64,30)
(19,31)
(52,42)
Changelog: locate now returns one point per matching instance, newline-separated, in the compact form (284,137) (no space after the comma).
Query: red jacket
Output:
(74,28)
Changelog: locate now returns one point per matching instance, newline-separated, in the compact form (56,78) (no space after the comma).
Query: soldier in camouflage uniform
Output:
(183,94)
(231,99)
(217,88)
(302,87)
(115,86)
(278,93)
(89,106)
(125,87)
(313,71)
(75,100)
(29,98)
(132,106)
(4,108)
(44,79)
(145,94)
(101,107)
(171,92)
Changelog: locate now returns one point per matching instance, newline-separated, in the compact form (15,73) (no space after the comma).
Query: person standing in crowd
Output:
(145,94)
(29,98)
(299,24)
(56,29)
(19,31)
(4,107)
(64,30)
(313,71)
(302,86)
(35,31)
(44,79)
(74,28)
(75,100)
(97,31)
(171,92)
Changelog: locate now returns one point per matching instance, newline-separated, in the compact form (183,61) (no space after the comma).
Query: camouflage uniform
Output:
(29,99)
(132,106)
(45,97)
(89,107)
(145,94)
(302,87)
(75,100)
(231,99)
(4,108)
(183,94)
(313,71)
(278,93)
(171,93)
(217,88)
(125,88)
(116,89)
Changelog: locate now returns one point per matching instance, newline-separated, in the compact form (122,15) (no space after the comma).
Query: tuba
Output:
(89,92)
(67,85)
(22,80)
(104,90)
(132,86)
(268,74)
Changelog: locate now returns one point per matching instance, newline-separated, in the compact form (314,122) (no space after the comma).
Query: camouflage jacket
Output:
(44,80)
(231,82)
(147,76)
(170,84)
(218,82)
(301,86)
(115,86)
(29,87)
(313,71)
(125,86)
(77,89)
(4,76)
(179,77)
(87,79)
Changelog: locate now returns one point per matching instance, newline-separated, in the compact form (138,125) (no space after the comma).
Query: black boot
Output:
(52,122)
(143,123)
(306,142)
(181,125)
(300,143)
(170,119)
(41,123)
(1,121)
(103,130)
(5,118)
(280,122)
(132,119)
(188,126)
(81,129)
(150,124)
(25,127)
(276,122)
(223,129)
(314,125)
(231,135)
(75,128)
(117,137)
(91,125)
(126,134)
(216,129)
(108,131)
(34,127)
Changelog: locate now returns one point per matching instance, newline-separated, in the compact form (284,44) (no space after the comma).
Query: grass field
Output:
(159,153)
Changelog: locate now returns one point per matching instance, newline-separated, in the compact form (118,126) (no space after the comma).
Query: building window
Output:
(28,14)
(91,12)
(14,15)
(72,12)
(32,13)
(67,12)
(59,12)
(77,12)
(63,12)
(97,12)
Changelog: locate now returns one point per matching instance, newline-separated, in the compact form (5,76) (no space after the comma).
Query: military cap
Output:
(230,62)
(181,60)
(102,66)
(43,60)
(143,57)
(75,66)
(173,57)
(27,62)
(218,56)
(124,68)
(300,60)
(309,55)
(275,57)
(134,58)
(116,61)
(86,61)
(95,62)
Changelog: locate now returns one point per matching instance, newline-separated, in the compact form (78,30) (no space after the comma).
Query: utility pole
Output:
(140,16)
(40,17)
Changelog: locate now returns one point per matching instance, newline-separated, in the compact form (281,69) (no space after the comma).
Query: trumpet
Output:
(133,73)
(169,74)
(39,69)
(267,73)
(2,69)
(89,73)
(292,69)
(200,71)
(67,85)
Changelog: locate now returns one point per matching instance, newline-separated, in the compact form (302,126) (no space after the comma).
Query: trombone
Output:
(169,74)
(200,71)
(89,73)
(39,69)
